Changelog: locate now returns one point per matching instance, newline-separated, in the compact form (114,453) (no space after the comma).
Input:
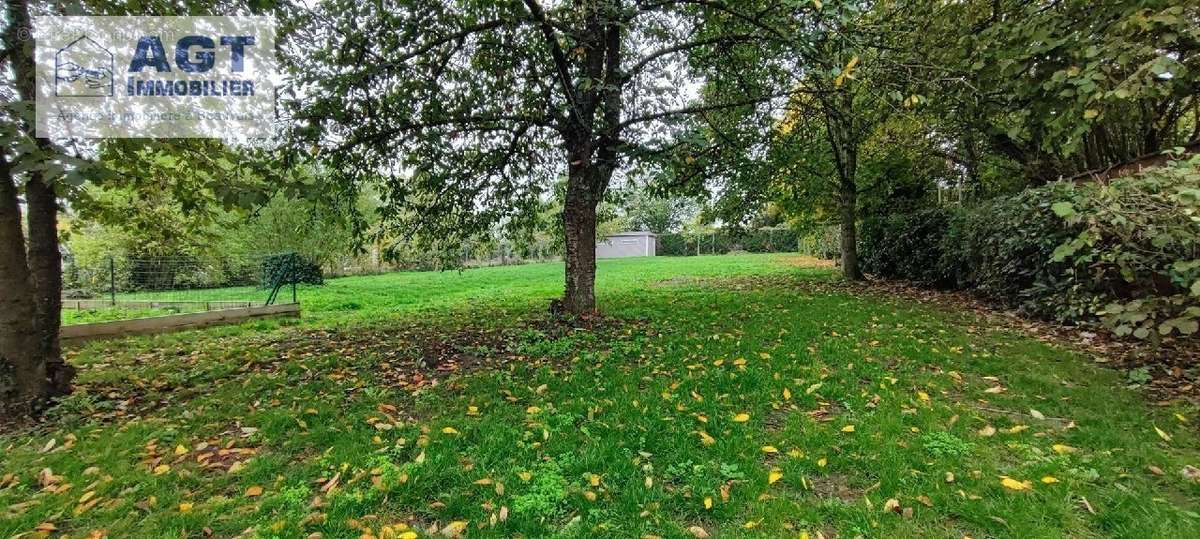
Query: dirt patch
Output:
(835,486)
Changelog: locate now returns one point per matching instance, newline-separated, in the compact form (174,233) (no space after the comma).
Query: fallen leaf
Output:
(987,431)
(1062,449)
(1013,484)
(848,428)
(769,449)
(1036,414)
(1161,434)
(254,491)
(449,430)
(185,507)
(162,469)
(773,476)
(708,502)
(891,505)
(1049,480)
(698,532)
(454,529)
(741,418)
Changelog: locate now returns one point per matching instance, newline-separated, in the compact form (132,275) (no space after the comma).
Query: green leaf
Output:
(1063,209)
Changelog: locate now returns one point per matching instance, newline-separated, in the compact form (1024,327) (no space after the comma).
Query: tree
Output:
(852,76)
(470,111)
(1062,88)
(658,214)
(31,367)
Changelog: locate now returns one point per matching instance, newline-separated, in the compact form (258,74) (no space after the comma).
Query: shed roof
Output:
(633,233)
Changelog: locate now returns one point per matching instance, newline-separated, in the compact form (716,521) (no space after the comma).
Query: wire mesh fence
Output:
(120,287)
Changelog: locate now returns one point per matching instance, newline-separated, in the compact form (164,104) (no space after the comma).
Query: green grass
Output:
(621,430)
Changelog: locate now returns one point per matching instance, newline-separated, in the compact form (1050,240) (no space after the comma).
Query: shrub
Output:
(290,268)
(1137,247)
(908,246)
(821,242)
(1125,254)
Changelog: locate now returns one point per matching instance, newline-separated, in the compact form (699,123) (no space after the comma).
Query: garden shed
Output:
(626,244)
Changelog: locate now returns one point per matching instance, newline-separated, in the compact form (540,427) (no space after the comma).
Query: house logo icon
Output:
(83,69)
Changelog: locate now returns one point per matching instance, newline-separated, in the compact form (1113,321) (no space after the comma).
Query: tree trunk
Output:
(31,281)
(45,268)
(22,372)
(848,207)
(579,227)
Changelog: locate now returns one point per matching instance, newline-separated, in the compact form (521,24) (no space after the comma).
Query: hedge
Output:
(763,240)
(1125,254)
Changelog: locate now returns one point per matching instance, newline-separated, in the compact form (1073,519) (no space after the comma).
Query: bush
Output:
(823,242)
(287,268)
(1125,254)
(907,245)
(762,240)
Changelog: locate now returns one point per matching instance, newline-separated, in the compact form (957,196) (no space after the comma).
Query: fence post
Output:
(112,280)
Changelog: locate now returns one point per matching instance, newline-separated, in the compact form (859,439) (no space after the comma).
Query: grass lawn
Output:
(735,396)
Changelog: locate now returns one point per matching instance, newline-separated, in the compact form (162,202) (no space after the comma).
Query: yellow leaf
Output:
(180,450)
(708,503)
(408,535)
(449,430)
(254,491)
(1049,480)
(185,507)
(741,418)
(454,529)
(532,410)
(987,431)
(1013,484)
(821,462)
(774,476)
(816,4)
(787,394)
(162,469)
(848,428)
(1161,434)
(1018,428)
(1062,449)
(525,476)
(706,439)
(769,449)
(846,71)
(890,505)
(1090,113)
(923,396)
